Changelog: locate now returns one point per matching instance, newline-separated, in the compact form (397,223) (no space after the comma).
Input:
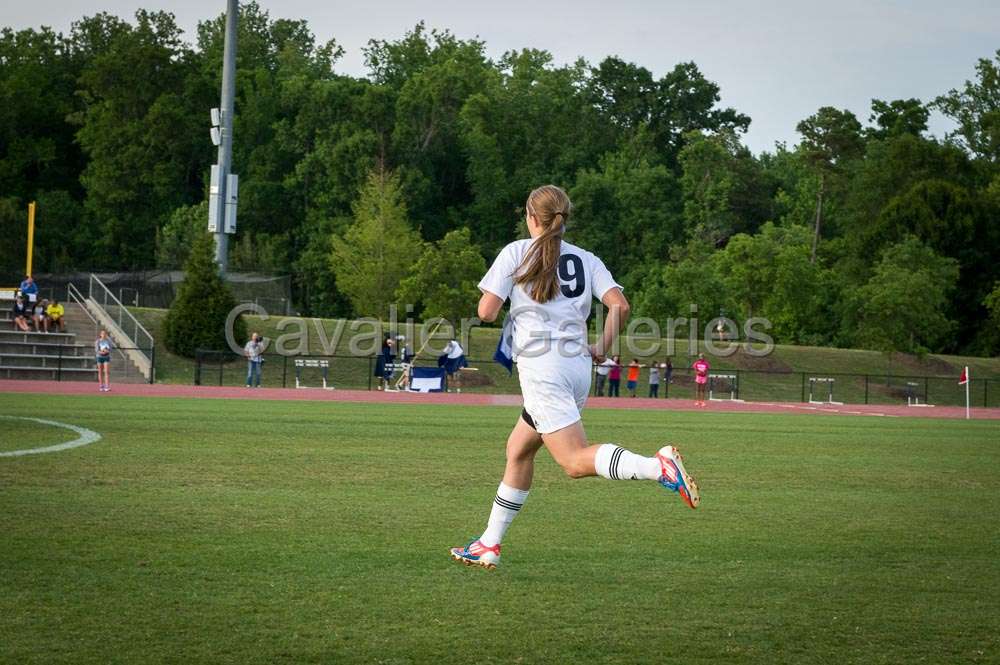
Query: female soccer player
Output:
(551,284)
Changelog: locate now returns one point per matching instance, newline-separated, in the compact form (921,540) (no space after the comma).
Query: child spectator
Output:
(615,377)
(633,376)
(102,352)
(654,379)
(38,316)
(22,314)
(54,316)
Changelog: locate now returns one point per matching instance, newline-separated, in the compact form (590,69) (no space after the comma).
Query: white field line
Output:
(85,437)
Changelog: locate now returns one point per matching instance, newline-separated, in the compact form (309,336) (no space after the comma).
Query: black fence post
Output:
(284,371)
(221,367)
(986,392)
(866,387)
(737,384)
(371,370)
(152,364)
(926,389)
(197,367)
(803,386)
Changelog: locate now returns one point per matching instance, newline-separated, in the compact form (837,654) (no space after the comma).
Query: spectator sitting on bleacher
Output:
(38,316)
(54,316)
(21,314)
(29,290)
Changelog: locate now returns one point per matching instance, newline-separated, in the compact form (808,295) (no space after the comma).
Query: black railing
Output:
(47,360)
(223,368)
(820,387)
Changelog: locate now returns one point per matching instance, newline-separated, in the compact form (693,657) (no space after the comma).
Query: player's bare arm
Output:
(489,307)
(618,311)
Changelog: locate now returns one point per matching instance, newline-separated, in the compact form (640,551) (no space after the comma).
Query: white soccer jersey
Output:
(543,333)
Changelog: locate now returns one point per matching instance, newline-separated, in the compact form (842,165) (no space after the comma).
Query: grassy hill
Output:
(781,375)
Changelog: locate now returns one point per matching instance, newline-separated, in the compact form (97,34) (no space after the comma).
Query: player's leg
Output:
(579,459)
(522,445)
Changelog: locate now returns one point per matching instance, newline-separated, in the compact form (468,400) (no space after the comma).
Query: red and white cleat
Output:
(477,554)
(675,477)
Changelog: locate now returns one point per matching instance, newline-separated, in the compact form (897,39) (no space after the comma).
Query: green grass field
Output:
(211,531)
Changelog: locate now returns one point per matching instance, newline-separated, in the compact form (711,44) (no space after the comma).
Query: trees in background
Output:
(106,127)
(902,307)
(444,280)
(374,254)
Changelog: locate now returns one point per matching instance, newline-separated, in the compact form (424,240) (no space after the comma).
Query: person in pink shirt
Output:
(700,368)
(615,377)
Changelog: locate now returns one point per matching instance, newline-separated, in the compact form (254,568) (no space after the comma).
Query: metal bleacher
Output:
(41,355)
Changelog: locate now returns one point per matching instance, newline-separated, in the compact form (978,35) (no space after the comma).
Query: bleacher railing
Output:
(139,339)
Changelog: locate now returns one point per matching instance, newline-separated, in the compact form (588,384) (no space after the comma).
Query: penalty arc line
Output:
(86,436)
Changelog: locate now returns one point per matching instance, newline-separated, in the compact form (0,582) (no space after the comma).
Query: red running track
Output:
(371,397)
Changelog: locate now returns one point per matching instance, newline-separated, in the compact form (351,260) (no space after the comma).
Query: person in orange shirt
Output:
(633,376)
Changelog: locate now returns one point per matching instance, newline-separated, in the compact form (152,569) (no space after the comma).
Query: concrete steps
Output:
(56,356)
(52,356)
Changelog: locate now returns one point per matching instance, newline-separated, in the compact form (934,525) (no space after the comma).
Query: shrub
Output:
(197,317)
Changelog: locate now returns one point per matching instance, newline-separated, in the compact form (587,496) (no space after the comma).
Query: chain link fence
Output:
(158,288)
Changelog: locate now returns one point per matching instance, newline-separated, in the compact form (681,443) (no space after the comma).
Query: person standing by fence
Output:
(633,376)
(615,377)
(603,368)
(654,379)
(701,368)
(254,352)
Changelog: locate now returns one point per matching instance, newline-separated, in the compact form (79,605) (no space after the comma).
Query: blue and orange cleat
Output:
(477,554)
(675,477)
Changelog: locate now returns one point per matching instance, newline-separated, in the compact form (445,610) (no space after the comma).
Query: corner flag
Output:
(964,381)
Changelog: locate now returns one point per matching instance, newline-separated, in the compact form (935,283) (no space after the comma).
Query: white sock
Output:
(506,505)
(616,463)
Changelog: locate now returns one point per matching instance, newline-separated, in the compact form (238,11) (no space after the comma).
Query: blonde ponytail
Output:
(539,270)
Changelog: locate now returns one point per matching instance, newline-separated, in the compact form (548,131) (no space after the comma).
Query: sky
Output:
(777,61)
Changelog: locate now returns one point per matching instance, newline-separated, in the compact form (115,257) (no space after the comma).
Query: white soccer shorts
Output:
(554,393)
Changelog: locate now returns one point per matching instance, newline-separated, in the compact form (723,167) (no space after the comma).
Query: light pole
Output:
(224,189)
